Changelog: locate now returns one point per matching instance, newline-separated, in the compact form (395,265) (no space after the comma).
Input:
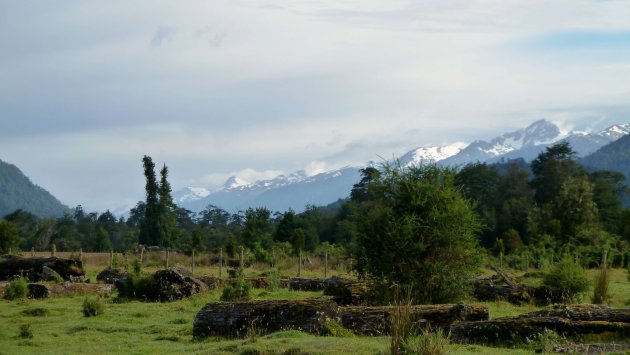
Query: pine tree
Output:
(149,225)
(167,220)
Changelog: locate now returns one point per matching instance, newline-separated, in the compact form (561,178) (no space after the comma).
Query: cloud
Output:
(162,35)
(315,167)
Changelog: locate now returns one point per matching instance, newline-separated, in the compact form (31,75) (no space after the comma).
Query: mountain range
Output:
(296,190)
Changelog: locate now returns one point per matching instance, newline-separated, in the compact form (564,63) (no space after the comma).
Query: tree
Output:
(257,228)
(149,225)
(102,243)
(574,206)
(551,169)
(9,239)
(608,191)
(167,220)
(407,236)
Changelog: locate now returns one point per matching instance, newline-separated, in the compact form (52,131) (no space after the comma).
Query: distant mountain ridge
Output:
(296,190)
(18,192)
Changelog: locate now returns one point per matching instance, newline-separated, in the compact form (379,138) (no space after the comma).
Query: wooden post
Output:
(10,251)
(53,249)
(526,261)
(33,252)
(605,259)
(81,254)
(111,259)
(326,264)
(167,255)
(220,262)
(193,261)
(299,262)
(240,261)
(141,255)
(501,259)
(273,258)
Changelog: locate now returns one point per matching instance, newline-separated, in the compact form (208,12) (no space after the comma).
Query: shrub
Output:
(600,291)
(36,312)
(545,342)
(334,329)
(238,290)
(569,277)
(25,331)
(134,286)
(273,280)
(92,307)
(17,289)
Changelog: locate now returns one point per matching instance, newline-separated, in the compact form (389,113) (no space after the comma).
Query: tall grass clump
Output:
(400,324)
(134,286)
(92,307)
(26,332)
(568,277)
(273,280)
(428,342)
(17,289)
(602,279)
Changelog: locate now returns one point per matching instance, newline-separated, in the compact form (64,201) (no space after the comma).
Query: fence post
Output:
(299,262)
(526,261)
(81,255)
(326,264)
(167,255)
(193,261)
(53,249)
(240,261)
(141,255)
(220,262)
(33,252)
(111,259)
(501,259)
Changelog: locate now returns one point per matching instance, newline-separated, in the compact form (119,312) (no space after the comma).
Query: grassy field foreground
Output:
(143,328)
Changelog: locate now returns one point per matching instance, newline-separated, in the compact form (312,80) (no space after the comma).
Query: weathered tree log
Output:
(569,321)
(491,289)
(306,284)
(174,284)
(345,291)
(109,276)
(67,289)
(236,319)
(376,320)
(258,282)
(33,268)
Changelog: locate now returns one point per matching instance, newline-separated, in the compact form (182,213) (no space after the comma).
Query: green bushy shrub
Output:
(238,290)
(17,289)
(134,287)
(569,277)
(92,307)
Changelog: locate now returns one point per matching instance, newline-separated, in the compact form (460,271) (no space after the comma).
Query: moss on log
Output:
(306,284)
(345,291)
(68,289)
(237,319)
(376,320)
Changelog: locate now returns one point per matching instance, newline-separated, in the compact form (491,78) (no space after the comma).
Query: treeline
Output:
(531,214)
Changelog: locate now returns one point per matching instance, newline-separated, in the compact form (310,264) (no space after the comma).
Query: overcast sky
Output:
(257,88)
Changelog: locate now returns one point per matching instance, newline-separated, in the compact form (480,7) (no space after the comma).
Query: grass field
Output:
(148,328)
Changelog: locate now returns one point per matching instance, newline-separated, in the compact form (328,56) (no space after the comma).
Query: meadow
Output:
(57,325)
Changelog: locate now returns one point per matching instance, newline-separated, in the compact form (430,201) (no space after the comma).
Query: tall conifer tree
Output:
(149,225)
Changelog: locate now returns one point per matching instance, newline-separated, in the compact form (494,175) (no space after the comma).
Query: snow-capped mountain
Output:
(188,194)
(293,191)
(424,155)
(296,190)
(538,133)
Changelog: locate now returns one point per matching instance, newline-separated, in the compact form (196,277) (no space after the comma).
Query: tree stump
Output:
(238,319)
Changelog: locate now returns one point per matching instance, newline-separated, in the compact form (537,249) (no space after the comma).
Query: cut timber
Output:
(376,320)
(306,284)
(33,268)
(236,319)
(68,289)
(572,320)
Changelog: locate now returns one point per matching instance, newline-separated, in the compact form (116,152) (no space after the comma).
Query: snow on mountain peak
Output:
(431,154)
(190,194)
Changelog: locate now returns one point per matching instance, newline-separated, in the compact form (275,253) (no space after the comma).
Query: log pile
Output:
(502,286)
(33,268)
(68,289)
(237,319)
(345,291)
(376,320)
(566,320)
(306,284)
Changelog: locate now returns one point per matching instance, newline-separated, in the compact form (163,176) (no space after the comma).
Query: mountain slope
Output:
(292,191)
(18,192)
(614,156)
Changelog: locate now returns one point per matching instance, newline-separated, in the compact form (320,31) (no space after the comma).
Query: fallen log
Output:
(377,320)
(491,289)
(345,291)
(33,268)
(68,289)
(109,275)
(174,284)
(570,321)
(306,284)
(237,319)
(212,282)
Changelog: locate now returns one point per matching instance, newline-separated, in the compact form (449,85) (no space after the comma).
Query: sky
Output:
(259,88)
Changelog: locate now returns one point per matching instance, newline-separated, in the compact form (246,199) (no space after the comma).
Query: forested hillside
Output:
(18,192)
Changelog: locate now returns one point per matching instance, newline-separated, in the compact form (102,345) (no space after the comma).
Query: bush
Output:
(25,331)
(428,342)
(600,291)
(134,286)
(273,280)
(568,277)
(92,307)
(238,290)
(17,289)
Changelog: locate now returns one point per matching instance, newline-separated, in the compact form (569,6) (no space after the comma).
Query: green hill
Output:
(18,192)
(614,156)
